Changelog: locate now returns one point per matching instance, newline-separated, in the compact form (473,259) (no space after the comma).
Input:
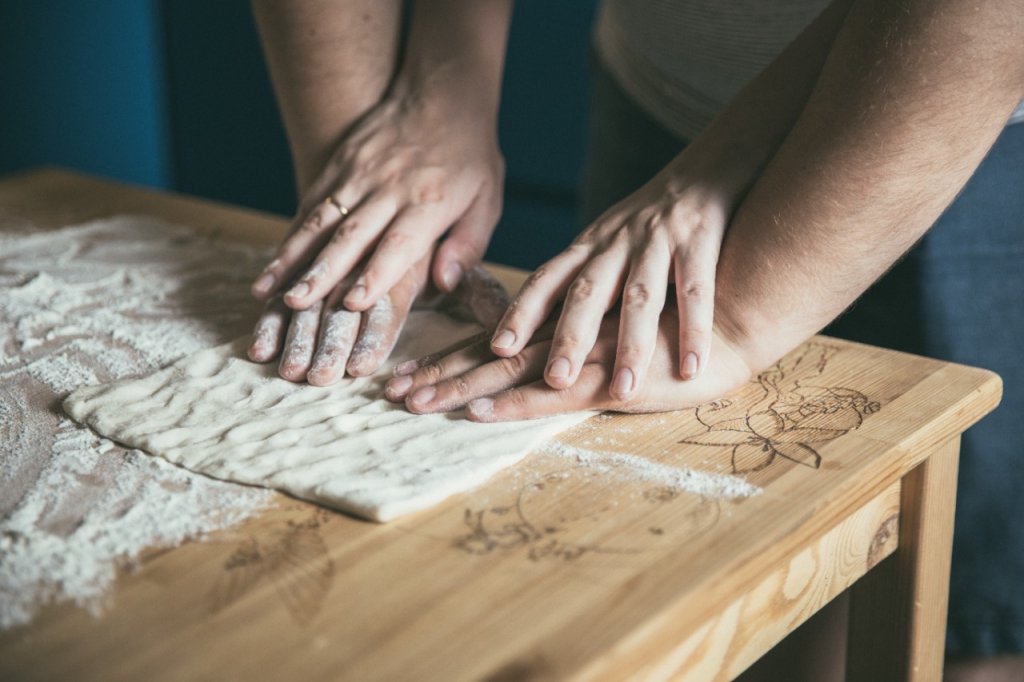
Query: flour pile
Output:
(89,304)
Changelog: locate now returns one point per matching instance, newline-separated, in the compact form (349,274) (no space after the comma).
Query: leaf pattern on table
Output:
(783,416)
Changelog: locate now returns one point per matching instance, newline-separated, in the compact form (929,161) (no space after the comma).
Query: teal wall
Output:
(174,94)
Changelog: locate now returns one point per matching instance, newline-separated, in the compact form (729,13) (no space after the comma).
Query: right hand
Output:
(414,167)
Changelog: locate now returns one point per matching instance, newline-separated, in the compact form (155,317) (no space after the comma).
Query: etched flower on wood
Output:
(780,415)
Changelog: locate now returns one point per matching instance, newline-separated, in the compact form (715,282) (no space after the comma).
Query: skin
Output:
(410,151)
(876,153)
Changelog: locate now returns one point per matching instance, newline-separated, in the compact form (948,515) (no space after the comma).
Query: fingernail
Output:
(423,396)
(690,366)
(504,339)
(623,383)
(264,283)
(407,367)
(399,385)
(300,290)
(481,409)
(559,369)
(451,276)
(356,295)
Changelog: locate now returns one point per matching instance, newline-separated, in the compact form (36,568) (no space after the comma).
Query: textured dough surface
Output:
(343,446)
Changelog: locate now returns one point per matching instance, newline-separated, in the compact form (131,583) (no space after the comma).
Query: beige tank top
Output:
(683,60)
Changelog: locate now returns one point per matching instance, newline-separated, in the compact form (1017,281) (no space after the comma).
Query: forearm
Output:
(911,97)
(330,61)
(456,53)
(741,139)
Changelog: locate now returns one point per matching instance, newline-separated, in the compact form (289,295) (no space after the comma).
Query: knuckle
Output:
(567,342)
(695,290)
(636,295)
(431,373)
(630,352)
(514,366)
(581,290)
(536,277)
(459,386)
(394,241)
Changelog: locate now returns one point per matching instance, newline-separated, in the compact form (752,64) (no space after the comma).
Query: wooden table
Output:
(554,570)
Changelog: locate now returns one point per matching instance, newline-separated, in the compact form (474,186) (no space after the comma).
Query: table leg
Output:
(898,610)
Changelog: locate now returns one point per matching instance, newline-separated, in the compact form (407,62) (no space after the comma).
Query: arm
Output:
(671,229)
(330,62)
(408,151)
(909,100)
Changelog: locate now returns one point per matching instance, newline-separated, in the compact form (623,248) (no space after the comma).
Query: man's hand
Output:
(502,389)
(670,229)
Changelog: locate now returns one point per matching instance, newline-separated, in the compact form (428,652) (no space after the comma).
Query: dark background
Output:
(174,94)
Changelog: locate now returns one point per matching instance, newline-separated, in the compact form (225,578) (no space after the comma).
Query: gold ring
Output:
(342,209)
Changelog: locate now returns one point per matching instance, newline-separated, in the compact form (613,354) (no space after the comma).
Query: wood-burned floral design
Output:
(781,415)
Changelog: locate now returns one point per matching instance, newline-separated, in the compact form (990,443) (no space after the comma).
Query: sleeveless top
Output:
(683,60)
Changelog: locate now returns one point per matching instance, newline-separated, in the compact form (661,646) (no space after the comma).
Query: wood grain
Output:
(554,569)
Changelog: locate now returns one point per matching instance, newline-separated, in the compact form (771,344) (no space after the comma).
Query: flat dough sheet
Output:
(343,446)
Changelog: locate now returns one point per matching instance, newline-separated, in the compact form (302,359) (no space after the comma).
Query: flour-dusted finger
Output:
(484,380)
(269,332)
(539,296)
(383,322)
(349,242)
(427,371)
(695,297)
(643,298)
(339,328)
(540,400)
(301,342)
(588,298)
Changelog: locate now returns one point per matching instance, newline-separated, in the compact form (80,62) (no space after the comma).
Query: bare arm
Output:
(911,97)
(330,62)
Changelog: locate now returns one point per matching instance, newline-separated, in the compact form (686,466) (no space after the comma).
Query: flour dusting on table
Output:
(82,305)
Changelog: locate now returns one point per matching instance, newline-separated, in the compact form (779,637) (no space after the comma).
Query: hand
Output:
(670,229)
(411,169)
(326,340)
(501,389)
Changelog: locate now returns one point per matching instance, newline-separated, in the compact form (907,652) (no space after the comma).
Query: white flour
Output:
(83,305)
(685,479)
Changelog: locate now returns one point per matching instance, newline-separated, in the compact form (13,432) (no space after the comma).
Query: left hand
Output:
(503,389)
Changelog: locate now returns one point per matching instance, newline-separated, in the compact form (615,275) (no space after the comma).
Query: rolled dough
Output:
(343,446)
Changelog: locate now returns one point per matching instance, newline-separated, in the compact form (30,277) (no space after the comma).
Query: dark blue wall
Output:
(174,94)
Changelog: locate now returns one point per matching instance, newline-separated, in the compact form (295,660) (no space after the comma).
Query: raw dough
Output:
(343,446)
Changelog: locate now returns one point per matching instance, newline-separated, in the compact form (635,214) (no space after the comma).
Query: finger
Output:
(298,347)
(695,298)
(407,239)
(485,296)
(307,234)
(538,297)
(349,242)
(466,242)
(383,322)
(643,297)
(589,297)
(269,332)
(429,370)
(540,400)
(339,328)
(486,379)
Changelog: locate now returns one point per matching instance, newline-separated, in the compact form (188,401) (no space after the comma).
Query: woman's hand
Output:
(501,389)
(413,168)
(670,230)
(326,340)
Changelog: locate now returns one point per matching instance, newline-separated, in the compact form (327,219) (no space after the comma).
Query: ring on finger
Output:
(342,208)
